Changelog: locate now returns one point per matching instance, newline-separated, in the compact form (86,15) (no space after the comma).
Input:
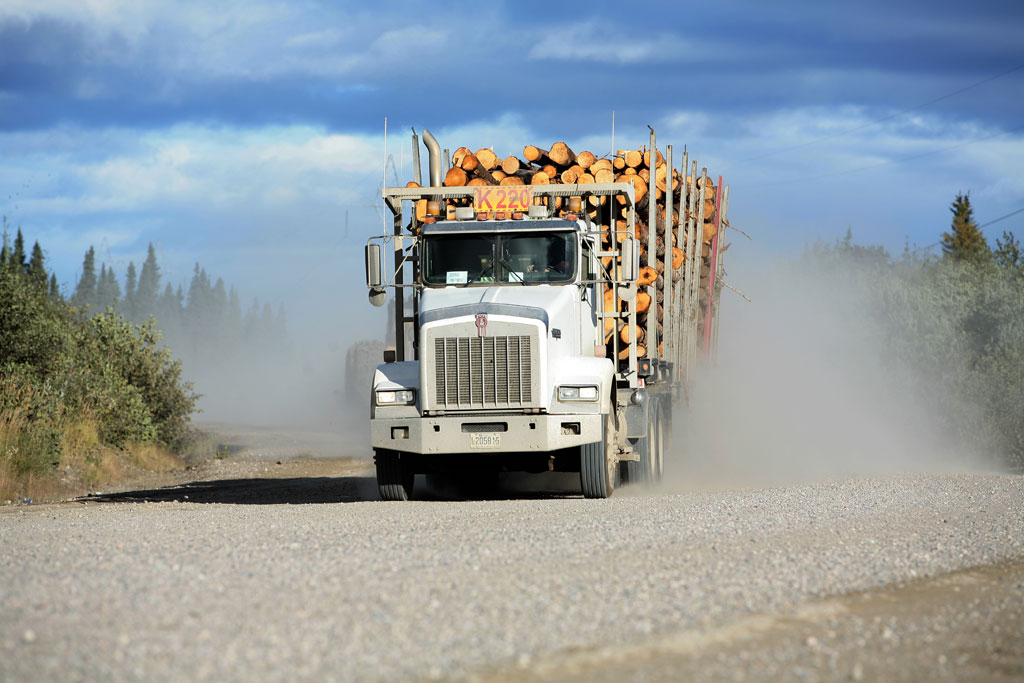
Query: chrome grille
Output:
(483,372)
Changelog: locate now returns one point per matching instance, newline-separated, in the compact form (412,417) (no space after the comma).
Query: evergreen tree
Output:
(54,289)
(169,314)
(964,242)
(102,289)
(219,309)
(250,326)
(130,290)
(18,261)
(85,291)
(5,249)
(149,285)
(37,266)
(1007,253)
(234,314)
(197,312)
(108,291)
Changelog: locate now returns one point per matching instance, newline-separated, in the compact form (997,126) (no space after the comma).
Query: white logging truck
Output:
(549,313)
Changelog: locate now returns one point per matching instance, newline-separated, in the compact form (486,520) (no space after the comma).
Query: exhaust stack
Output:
(435,158)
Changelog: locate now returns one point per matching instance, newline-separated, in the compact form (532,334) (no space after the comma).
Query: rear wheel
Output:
(395,475)
(660,443)
(598,465)
(645,470)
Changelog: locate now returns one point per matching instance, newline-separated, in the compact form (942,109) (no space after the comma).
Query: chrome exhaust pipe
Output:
(435,158)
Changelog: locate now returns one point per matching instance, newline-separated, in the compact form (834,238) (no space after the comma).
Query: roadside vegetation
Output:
(953,321)
(84,397)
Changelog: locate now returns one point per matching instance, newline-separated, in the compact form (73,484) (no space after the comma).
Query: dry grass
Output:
(84,463)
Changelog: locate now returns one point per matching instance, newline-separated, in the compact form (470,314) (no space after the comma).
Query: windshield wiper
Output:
(511,272)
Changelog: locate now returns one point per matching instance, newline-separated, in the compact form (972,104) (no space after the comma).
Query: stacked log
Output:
(694,202)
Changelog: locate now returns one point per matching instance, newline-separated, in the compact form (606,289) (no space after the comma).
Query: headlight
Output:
(588,393)
(396,397)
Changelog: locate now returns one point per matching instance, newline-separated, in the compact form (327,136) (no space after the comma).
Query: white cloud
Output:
(189,165)
(599,42)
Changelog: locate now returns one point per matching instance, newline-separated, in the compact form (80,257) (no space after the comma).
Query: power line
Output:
(996,220)
(884,118)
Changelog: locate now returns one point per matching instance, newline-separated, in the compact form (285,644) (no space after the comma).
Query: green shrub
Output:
(58,367)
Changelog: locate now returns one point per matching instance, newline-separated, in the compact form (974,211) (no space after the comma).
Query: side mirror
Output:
(374,267)
(630,257)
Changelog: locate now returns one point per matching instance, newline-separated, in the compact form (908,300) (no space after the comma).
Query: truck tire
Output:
(395,476)
(660,444)
(645,470)
(598,466)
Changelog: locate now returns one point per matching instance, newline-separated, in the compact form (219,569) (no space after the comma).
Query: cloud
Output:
(594,41)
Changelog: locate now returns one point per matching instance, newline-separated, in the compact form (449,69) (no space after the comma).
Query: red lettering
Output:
(482,199)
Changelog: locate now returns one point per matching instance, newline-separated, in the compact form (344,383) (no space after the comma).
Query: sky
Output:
(249,136)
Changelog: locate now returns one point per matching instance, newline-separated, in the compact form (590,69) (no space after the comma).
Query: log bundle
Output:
(694,216)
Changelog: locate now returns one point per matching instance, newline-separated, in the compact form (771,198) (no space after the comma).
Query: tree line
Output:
(204,324)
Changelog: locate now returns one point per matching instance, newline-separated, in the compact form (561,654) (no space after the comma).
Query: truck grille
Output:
(483,372)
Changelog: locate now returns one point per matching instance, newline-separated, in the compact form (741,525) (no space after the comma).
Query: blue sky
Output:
(240,134)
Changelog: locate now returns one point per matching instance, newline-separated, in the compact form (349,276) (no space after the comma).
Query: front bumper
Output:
(476,433)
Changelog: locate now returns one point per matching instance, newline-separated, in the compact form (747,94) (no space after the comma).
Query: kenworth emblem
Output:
(481,324)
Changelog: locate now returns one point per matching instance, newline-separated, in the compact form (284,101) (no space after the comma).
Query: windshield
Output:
(513,258)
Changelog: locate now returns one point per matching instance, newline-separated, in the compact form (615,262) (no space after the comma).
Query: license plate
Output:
(485,440)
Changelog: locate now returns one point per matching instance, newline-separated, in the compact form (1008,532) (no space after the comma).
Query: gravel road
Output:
(263,574)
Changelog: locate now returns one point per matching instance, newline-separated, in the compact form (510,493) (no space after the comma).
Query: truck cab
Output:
(511,367)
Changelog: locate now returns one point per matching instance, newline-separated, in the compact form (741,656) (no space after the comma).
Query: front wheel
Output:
(598,465)
(395,475)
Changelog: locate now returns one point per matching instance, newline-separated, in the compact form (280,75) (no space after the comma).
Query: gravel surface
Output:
(252,587)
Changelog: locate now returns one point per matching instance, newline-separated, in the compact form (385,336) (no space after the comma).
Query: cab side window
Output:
(587,265)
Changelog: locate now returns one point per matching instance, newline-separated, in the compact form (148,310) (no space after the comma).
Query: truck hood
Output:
(551,303)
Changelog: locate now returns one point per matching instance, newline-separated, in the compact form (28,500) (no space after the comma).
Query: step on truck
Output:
(542,327)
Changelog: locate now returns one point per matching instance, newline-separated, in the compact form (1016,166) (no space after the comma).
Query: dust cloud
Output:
(804,389)
(295,397)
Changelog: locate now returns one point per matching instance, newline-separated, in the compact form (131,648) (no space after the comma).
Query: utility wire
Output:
(884,118)
(996,220)
(893,161)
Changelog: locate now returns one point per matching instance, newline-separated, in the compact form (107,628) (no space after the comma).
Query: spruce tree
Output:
(108,291)
(19,263)
(54,289)
(197,312)
(85,291)
(219,308)
(149,285)
(102,289)
(250,326)
(130,288)
(169,314)
(1007,253)
(234,314)
(964,241)
(37,267)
